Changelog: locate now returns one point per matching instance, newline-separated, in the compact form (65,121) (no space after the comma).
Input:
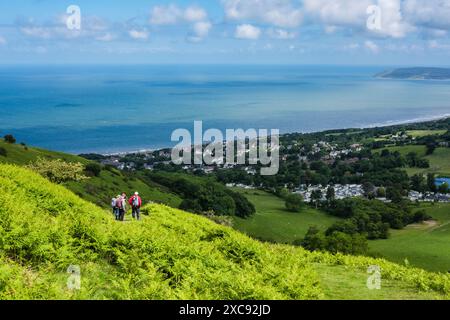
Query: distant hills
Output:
(419,73)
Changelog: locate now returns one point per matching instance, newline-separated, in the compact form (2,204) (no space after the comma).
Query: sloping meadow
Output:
(46,230)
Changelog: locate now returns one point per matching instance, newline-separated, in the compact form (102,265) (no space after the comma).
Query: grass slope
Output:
(273,223)
(171,254)
(425,245)
(439,163)
(439,160)
(18,154)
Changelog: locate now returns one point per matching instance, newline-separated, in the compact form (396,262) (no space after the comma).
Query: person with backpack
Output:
(136,203)
(115,210)
(121,205)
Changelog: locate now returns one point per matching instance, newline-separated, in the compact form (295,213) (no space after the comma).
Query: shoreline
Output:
(390,123)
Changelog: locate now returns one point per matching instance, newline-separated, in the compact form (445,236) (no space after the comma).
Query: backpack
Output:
(136,202)
(113,203)
(119,203)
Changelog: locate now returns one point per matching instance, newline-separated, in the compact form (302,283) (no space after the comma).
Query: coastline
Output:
(391,123)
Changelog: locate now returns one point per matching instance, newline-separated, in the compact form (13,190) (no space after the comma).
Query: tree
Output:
(385,153)
(443,188)
(431,183)
(58,171)
(331,194)
(412,159)
(369,189)
(191,205)
(294,202)
(282,193)
(313,240)
(347,244)
(244,208)
(381,192)
(9,138)
(418,183)
(394,194)
(93,169)
(316,196)
(430,148)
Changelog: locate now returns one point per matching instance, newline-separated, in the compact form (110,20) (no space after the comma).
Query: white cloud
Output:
(165,15)
(202,28)
(279,13)
(338,12)
(281,34)
(372,46)
(247,31)
(37,32)
(434,14)
(193,14)
(138,34)
(107,37)
(172,14)
(392,22)
(353,14)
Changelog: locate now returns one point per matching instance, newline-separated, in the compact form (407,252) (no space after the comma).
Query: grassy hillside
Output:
(439,160)
(272,222)
(171,254)
(439,163)
(425,133)
(425,245)
(98,190)
(23,155)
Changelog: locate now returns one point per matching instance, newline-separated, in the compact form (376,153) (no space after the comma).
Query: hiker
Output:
(114,207)
(135,203)
(115,203)
(121,205)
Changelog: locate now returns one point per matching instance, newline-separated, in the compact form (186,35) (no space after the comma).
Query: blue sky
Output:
(367,32)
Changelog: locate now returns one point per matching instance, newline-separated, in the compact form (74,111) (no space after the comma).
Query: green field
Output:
(439,164)
(425,245)
(424,133)
(404,150)
(272,222)
(439,160)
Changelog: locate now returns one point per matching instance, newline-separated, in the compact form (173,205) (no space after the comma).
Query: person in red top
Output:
(136,203)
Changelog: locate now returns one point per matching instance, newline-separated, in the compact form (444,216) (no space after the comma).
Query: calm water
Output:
(110,109)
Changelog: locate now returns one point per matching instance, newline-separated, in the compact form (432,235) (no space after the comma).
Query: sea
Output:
(110,109)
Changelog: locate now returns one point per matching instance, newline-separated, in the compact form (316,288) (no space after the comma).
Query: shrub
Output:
(58,171)
(93,169)
(3,152)
(9,138)
(191,205)
(294,203)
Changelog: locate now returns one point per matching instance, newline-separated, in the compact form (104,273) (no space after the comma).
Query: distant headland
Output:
(418,73)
